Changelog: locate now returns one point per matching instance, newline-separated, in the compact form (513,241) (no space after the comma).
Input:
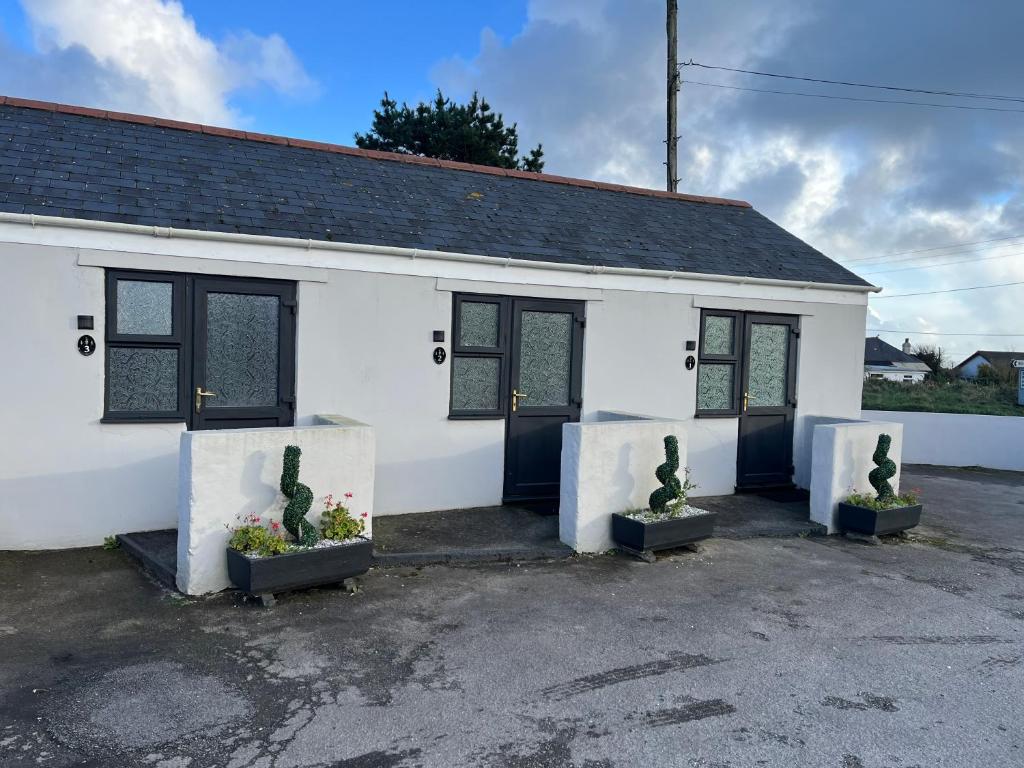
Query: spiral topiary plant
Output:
(879,477)
(300,500)
(671,489)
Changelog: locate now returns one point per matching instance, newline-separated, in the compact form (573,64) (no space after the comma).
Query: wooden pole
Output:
(671,139)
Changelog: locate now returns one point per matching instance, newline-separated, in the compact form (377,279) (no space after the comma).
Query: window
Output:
(479,347)
(145,362)
(718,370)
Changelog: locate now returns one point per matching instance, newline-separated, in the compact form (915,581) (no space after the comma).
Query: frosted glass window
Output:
(475,383)
(142,379)
(144,308)
(766,379)
(545,358)
(241,350)
(719,335)
(478,324)
(715,388)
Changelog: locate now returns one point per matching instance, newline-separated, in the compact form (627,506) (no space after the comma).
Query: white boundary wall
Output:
(959,440)
(608,465)
(841,460)
(225,474)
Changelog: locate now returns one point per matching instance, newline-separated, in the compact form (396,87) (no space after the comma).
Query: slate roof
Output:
(81,163)
(996,359)
(880,353)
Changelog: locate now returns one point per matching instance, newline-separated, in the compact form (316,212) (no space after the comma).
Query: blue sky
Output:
(351,49)
(859,181)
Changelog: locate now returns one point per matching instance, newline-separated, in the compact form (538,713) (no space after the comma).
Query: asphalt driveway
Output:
(782,652)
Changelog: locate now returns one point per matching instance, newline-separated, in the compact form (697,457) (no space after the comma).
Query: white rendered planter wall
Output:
(224,474)
(841,460)
(608,465)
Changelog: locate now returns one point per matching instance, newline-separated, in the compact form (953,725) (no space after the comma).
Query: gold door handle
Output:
(516,397)
(200,394)
(744,402)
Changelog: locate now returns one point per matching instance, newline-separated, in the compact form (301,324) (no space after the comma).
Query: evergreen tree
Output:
(468,133)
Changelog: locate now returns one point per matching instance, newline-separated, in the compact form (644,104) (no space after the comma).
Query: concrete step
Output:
(156,551)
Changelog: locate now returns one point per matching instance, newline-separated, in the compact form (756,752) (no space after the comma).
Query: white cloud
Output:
(145,56)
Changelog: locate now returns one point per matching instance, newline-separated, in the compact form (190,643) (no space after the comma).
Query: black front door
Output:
(243,353)
(545,372)
(768,386)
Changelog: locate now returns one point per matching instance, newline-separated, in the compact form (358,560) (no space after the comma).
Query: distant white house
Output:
(1001,361)
(884,361)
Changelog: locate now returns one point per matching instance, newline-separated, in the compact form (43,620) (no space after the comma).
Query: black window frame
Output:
(731,359)
(499,352)
(176,341)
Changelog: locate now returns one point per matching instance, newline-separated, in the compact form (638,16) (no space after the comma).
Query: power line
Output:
(952,245)
(852,98)
(949,290)
(958,94)
(913,255)
(942,264)
(937,333)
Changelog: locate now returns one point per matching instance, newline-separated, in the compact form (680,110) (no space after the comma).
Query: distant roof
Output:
(878,352)
(81,163)
(998,359)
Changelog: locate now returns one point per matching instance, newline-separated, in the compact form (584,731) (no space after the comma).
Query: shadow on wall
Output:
(453,481)
(79,509)
(803,444)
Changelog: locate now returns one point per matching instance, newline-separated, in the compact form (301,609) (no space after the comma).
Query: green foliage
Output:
(468,133)
(885,470)
(111,542)
(337,522)
(942,397)
(256,539)
(935,359)
(671,489)
(869,501)
(300,500)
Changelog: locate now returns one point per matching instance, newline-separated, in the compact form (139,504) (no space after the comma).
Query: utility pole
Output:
(671,139)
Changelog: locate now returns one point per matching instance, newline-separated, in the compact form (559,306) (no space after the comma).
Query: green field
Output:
(953,397)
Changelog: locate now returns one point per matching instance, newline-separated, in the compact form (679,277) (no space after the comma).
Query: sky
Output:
(871,185)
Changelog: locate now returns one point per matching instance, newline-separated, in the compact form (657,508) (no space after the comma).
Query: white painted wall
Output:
(904,377)
(608,464)
(969,370)
(230,473)
(959,440)
(66,480)
(841,461)
(364,349)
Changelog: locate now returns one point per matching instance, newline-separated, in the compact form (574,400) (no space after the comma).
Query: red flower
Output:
(348,495)
(365,514)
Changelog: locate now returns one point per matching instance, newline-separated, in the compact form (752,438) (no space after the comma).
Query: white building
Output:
(884,361)
(161,277)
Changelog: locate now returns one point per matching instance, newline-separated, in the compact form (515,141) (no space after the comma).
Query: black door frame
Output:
(283,414)
(746,417)
(510,492)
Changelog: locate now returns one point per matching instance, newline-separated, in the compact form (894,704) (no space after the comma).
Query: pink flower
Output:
(365,514)
(348,495)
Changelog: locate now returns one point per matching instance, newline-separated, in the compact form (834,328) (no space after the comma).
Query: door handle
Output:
(745,398)
(200,394)
(516,397)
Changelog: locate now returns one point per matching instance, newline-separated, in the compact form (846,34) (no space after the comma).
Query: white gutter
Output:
(35,220)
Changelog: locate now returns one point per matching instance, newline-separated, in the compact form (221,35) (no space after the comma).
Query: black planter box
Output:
(663,534)
(296,570)
(877,523)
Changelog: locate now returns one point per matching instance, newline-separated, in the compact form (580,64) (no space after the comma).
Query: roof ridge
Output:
(161,122)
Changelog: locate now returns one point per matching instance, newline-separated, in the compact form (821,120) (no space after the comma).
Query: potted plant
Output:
(262,560)
(669,521)
(884,512)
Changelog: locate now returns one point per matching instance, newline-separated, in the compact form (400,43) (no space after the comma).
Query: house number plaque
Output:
(690,362)
(86,344)
(439,355)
